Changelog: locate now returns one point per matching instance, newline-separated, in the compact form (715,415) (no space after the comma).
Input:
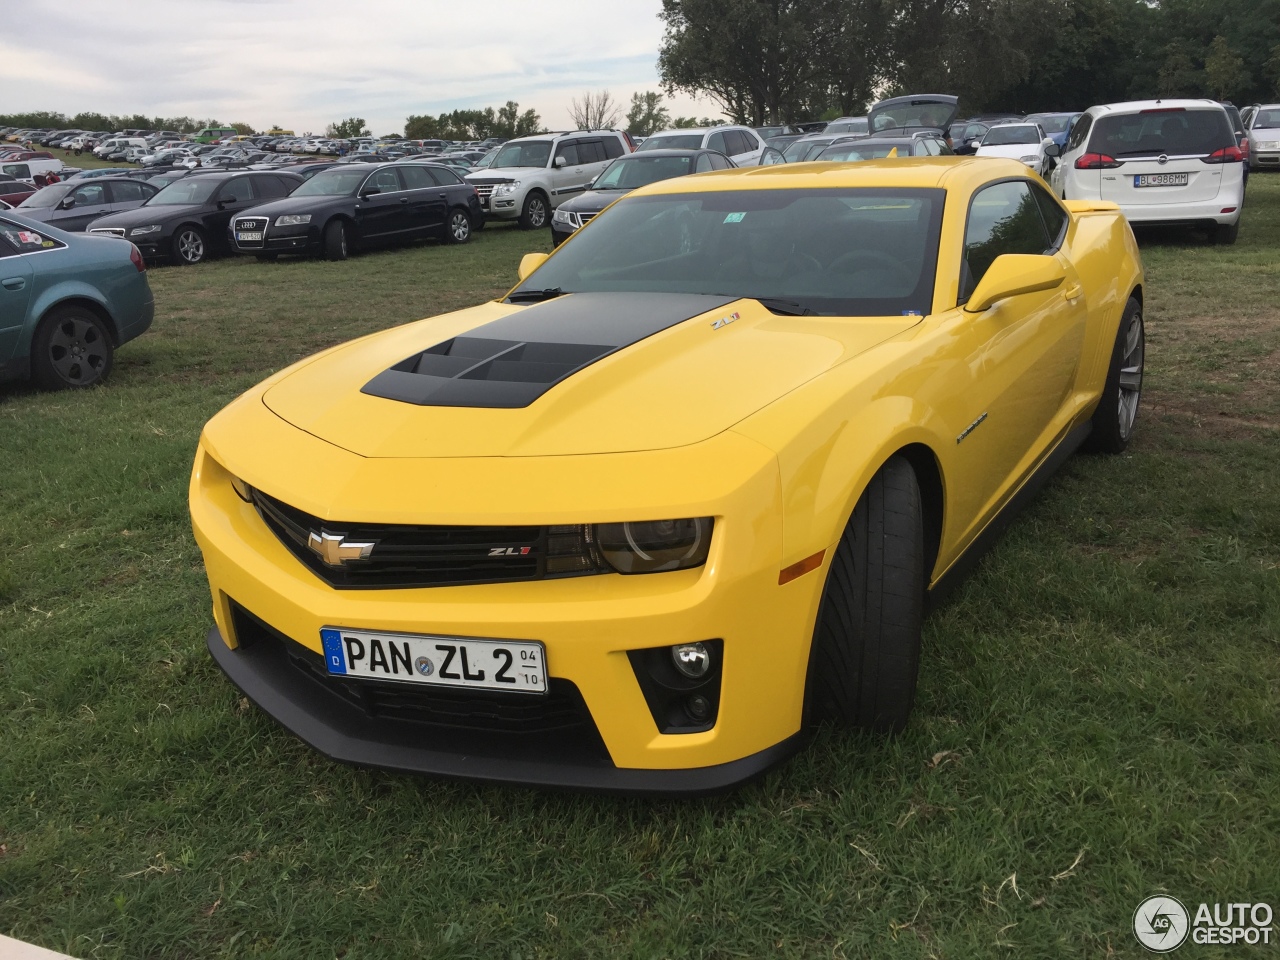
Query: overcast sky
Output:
(305,63)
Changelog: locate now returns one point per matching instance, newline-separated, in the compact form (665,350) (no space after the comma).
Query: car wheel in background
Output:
(1118,409)
(1225,233)
(336,243)
(458,229)
(189,246)
(866,643)
(534,214)
(71,348)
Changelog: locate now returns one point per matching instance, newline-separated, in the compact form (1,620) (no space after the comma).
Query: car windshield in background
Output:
(48,197)
(674,141)
(855,151)
(1005,135)
(185,191)
(832,252)
(333,183)
(803,150)
(532,154)
(631,172)
(847,126)
(1176,132)
(914,115)
(1052,125)
(1265,119)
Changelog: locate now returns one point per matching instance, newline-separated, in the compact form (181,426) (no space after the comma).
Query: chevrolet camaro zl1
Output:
(684,489)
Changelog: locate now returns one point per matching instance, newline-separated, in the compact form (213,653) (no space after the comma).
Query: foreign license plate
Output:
(1161,179)
(516,666)
(245,236)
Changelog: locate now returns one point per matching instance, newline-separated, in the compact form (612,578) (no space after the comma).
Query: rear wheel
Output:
(71,348)
(534,214)
(1225,234)
(189,246)
(1118,409)
(458,229)
(336,244)
(866,644)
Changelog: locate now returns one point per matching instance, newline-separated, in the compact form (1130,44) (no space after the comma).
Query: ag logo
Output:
(1161,923)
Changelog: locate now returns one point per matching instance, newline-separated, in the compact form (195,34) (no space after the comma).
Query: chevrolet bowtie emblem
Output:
(335,550)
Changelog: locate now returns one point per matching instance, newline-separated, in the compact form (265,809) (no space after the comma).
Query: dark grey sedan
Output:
(73,205)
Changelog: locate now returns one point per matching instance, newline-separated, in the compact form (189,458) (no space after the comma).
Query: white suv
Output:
(742,145)
(532,176)
(1162,161)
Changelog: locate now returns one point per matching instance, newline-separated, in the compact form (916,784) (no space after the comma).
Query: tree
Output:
(598,111)
(1178,75)
(689,123)
(243,129)
(647,114)
(1271,70)
(1224,72)
(346,129)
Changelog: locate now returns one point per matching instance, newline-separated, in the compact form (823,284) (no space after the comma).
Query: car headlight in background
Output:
(503,189)
(1268,145)
(144,231)
(565,217)
(655,546)
(293,220)
(1034,158)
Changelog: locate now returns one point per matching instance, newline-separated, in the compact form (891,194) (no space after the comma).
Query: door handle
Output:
(404,199)
(444,196)
(1073,291)
(13,283)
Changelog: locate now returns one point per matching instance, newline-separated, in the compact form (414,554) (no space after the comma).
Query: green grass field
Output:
(1097,719)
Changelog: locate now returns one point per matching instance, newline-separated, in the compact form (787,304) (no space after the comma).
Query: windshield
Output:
(803,150)
(627,173)
(831,251)
(1006,135)
(1052,125)
(339,182)
(185,191)
(1175,131)
(1265,118)
(673,141)
(851,152)
(534,153)
(857,125)
(48,197)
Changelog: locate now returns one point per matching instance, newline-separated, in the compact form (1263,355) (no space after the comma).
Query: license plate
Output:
(1161,179)
(516,666)
(243,236)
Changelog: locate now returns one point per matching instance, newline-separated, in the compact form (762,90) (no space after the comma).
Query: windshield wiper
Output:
(788,308)
(534,296)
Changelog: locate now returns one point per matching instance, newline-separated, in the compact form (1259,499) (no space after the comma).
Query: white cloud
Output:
(305,63)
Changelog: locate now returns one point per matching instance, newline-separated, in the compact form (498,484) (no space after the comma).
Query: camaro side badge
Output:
(970,428)
(335,550)
(724,321)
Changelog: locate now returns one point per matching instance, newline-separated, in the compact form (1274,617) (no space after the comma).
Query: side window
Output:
(590,151)
(237,191)
(23,239)
(442,176)
(5,249)
(1055,218)
(90,195)
(1003,218)
(417,178)
(704,164)
(930,146)
(268,187)
(613,148)
(717,142)
(384,181)
(720,163)
(1079,132)
(570,153)
(19,171)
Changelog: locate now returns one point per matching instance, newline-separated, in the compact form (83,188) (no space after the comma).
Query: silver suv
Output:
(532,176)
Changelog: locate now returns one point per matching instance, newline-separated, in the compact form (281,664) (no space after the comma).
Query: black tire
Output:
(866,644)
(336,243)
(536,213)
(458,227)
(189,246)
(1117,411)
(71,349)
(1224,234)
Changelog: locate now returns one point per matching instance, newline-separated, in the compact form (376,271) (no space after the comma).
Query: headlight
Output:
(293,220)
(1034,158)
(563,216)
(1269,144)
(654,546)
(503,189)
(143,231)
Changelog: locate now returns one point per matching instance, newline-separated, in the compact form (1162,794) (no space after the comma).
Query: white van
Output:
(27,169)
(117,144)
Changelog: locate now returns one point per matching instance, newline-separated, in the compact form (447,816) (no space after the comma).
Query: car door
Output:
(235,196)
(16,280)
(383,205)
(87,203)
(567,175)
(1012,394)
(427,199)
(592,156)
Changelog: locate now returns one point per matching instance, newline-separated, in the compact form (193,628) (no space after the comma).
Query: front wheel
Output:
(866,643)
(534,214)
(189,247)
(335,241)
(458,229)
(1118,409)
(71,348)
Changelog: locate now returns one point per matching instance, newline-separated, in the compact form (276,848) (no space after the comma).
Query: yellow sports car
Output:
(684,490)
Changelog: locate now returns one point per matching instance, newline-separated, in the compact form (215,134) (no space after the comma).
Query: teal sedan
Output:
(66,302)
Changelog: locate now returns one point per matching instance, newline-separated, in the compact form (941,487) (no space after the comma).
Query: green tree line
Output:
(505,121)
(775,60)
(101,121)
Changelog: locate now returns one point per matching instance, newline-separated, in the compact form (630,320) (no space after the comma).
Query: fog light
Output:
(691,659)
(699,708)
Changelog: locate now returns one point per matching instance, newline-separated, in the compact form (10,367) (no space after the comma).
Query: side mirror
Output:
(67,203)
(561,162)
(529,263)
(1013,274)
(1051,149)
(366,194)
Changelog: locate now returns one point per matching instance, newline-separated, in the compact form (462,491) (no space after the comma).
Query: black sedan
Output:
(351,205)
(626,174)
(187,220)
(73,206)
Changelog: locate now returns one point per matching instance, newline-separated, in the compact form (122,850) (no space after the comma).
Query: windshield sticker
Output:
(735,218)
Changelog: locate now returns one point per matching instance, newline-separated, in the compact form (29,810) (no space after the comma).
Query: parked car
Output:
(1024,142)
(352,205)
(626,174)
(966,135)
(849,125)
(933,112)
(811,144)
(30,169)
(1264,136)
(1163,161)
(1055,125)
(657,466)
(742,145)
(531,176)
(879,148)
(116,146)
(187,220)
(66,303)
(13,192)
(73,205)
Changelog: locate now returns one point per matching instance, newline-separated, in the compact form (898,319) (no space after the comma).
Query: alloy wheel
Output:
(1131,367)
(78,351)
(190,246)
(460,226)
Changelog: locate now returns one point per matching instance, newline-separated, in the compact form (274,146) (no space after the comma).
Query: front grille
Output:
(556,726)
(407,556)
(251,223)
(583,218)
(109,231)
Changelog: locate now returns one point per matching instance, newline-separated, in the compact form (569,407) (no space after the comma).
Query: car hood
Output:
(145,214)
(288,205)
(593,201)
(1013,151)
(673,370)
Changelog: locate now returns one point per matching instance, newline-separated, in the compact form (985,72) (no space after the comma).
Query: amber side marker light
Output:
(787,574)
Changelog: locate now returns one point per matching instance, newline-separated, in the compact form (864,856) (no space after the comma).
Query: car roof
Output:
(1137,106)
(228,174)
(668,152)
